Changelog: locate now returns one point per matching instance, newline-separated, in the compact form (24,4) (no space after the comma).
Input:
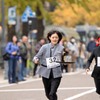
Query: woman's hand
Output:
(36,60)
(87,70)
(14,53)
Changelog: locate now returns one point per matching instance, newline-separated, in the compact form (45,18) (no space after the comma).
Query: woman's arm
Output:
(38,56)
(8,48)
(89,62)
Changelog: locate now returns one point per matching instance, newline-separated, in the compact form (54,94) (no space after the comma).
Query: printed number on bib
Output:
(51,62)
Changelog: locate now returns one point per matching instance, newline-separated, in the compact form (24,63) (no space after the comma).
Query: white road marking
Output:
(79,95)
(27,81)
(42,89)
(76,88)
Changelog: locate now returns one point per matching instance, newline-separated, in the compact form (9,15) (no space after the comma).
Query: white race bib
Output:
(51,62)
(98,61)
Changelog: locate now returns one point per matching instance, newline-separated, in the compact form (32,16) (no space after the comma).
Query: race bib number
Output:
(52,62)
(98,61)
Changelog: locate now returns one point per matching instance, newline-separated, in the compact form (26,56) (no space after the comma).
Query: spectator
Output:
(13,50)
(91,45)
(23,54)
(74,52)
(82,55)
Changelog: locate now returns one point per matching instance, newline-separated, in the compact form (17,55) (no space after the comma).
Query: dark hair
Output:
(43,39)
(14,36)
(53,32)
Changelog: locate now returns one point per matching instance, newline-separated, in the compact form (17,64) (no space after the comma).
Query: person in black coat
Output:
(96,72)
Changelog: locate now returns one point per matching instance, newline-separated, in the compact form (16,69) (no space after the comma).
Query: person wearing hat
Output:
(96,71)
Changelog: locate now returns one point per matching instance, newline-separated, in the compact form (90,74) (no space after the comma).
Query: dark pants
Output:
(97,84)
(12,63)
(35,69)
(23,68)
(51,85)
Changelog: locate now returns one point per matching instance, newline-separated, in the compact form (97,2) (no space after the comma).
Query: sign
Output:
(27,13)
(12,15)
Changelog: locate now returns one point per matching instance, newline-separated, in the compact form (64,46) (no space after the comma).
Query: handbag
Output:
(6,56)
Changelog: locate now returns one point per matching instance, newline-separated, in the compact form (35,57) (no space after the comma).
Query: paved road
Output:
(74,86)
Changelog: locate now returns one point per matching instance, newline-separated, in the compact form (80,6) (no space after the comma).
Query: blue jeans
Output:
(81,62)
(12,63)
(20,71)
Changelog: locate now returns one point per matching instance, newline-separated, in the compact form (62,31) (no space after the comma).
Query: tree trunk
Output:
(40,25)
(11,32)
(40,29)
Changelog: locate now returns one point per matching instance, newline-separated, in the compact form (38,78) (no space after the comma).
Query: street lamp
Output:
(29,29)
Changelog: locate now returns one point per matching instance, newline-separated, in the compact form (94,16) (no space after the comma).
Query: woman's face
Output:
(14,39)
(54,38)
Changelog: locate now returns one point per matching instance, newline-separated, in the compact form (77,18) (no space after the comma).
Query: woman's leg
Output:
(47,86)
(34,69)
(55,82)
(14,70)
(97,84)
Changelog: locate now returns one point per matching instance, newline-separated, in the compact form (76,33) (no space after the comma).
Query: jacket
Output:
(95,55)
(12,48)
(44,53)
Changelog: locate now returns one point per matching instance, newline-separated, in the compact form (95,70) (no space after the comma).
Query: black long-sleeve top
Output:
(95,55)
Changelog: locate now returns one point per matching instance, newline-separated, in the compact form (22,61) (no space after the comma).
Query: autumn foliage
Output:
(73,14)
